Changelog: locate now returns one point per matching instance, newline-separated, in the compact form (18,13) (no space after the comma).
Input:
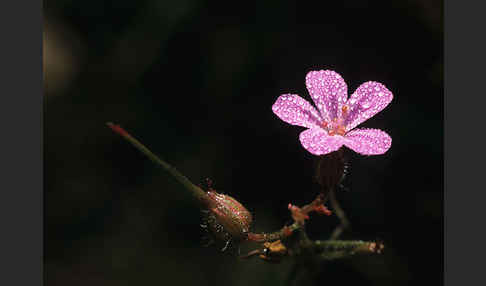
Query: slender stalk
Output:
(340,214)
(197,192)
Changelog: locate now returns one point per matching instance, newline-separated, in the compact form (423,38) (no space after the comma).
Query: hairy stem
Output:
(288,230)
(335,249)
(197,192)
(283,233)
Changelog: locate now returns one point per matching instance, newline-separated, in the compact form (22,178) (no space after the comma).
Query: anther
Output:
(345,110)
(341,130)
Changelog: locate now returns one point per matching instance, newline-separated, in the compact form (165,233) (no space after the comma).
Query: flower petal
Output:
(369,99)
(368,141)
(318,142)
(329,92)
(295,110)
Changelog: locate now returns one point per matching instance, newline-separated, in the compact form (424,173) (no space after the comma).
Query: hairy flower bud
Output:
(226,218)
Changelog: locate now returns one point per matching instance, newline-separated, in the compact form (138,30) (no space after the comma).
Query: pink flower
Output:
(331,125)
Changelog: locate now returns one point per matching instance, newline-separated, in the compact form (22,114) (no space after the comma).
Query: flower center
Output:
(336,126)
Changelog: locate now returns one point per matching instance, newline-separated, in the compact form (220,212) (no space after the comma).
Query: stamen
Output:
(341,130)
(345,110)
(334,127)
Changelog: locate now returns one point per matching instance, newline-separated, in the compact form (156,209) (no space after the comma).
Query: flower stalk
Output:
(340,214)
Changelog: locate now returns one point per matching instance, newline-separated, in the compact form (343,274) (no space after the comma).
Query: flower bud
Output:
(227,219)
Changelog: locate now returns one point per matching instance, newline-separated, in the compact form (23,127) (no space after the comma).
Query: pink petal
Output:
(369,99)
(368,141)
(295,110)
(329,92)
(318,142)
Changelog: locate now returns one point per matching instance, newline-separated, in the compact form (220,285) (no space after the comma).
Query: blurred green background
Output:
(195,81)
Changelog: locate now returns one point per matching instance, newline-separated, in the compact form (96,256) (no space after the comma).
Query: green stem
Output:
(197,192)
(335,249)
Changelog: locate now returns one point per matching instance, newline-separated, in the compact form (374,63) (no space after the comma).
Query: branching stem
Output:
(324,250)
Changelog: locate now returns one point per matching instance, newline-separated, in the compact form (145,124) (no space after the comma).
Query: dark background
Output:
(195,81)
